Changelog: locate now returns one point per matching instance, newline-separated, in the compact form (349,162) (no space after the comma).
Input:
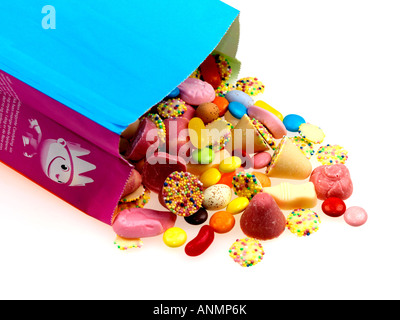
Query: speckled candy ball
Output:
(171,108)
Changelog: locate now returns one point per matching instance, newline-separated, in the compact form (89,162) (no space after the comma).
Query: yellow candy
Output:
(230,164)
(210,177)
(198,133)
(174,237)
(267,107)
(237,205)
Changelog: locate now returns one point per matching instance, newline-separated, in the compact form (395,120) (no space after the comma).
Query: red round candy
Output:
(334,207)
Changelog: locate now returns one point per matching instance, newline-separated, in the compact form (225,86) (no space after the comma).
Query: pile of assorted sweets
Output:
(208,152)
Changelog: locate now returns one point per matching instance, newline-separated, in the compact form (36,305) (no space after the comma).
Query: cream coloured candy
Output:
(274,125)
(332,181)
(291,196)
(262,219)
(140,223)
(247,137)
(217,197)
(195,91)
(289,162)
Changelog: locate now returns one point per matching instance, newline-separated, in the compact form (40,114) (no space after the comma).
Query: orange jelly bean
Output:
(222,221)
(222,104)
(227,178)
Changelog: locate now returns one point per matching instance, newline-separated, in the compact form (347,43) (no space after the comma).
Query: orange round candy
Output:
(222,221)
(227,178)
(222,104)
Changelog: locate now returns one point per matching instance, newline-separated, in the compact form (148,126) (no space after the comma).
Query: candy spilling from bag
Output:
(215,157)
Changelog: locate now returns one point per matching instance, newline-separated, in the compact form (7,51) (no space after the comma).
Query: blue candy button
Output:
(237,109)
(292,122)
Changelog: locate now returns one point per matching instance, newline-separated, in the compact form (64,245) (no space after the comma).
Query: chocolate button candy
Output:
(197,218)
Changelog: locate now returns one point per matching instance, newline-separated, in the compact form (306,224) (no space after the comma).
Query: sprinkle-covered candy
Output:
(246,185)
(247,252)
(171,108)
(182,193)
(332,154)
(303,222)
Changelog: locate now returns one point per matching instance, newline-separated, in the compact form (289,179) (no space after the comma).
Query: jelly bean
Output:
(222,221)
(261,160)
(174,237)
(210,72)
(227,178)
(239,96)
(355,216)
(334,207)
(230,164)
(237,205)
(237,109)
(201,242)
(199,217)
(267,107)
(203,156)
(210,177)
(174,93)
(247,160)
(292,122)
(222,105)
(198,133)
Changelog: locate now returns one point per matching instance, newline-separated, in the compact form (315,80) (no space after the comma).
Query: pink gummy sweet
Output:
(332,181)
(158,167)
(177,136)
(355,216)
(262,218)
(261,160)
(145,137)
(134,182)
(141,223)
(274,125)
(195,91)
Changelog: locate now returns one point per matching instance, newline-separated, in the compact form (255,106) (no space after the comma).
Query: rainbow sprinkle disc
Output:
(264,133)
(247,252)
(182,193)
(303,222)
(246,185)
(172,108)
(125,244)
(332,154)
(225,69)
(252,86)
(311,133)
(305,146)
(224,88)
(158,121)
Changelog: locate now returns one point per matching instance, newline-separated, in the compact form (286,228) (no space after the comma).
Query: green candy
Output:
(203,156)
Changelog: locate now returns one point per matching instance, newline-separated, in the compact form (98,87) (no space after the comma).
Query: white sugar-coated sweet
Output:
(241,97)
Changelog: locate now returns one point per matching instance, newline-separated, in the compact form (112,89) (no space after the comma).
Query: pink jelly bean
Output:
(202,241)
(355,216)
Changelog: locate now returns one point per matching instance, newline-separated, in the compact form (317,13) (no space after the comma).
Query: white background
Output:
(336,63)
